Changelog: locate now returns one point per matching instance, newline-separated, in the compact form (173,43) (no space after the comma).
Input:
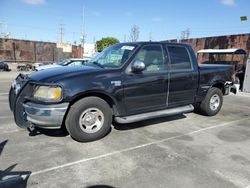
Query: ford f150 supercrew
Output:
(126,82)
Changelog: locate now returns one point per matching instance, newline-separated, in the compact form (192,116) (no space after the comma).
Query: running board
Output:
(156,114)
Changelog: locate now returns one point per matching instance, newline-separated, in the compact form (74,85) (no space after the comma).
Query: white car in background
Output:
(66,62)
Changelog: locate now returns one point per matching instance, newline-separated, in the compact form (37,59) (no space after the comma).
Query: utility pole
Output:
(83,36)
(74,40)
(188,33)
(4,30)
(94,40)
(61,32)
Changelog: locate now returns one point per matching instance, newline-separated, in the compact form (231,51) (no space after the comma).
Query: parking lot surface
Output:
(187,150)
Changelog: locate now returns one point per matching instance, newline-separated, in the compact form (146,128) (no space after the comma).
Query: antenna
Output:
(150,36)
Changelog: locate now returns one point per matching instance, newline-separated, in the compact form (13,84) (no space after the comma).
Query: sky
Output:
(156,19)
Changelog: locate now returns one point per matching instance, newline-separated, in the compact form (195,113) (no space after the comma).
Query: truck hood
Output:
(55,74)
(43,67)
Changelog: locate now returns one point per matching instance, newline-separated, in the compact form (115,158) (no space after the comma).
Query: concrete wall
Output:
(12,50)
(230,41)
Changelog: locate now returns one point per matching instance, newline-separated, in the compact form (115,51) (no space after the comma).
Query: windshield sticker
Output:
(127,47)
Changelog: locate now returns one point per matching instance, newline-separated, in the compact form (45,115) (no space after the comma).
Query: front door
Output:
(147,90)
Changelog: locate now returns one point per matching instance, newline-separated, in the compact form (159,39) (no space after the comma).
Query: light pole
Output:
(82,38)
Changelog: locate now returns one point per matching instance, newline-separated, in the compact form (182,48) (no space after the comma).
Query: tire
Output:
(197,108)
(212,103)
(89,119)
(6,68)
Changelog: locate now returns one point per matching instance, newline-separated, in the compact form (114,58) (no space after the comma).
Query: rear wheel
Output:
(212,103)
(89,119)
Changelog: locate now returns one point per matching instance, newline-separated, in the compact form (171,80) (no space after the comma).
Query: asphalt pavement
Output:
(187,150)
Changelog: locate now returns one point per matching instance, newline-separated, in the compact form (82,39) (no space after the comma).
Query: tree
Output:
(134,33)
(105,42)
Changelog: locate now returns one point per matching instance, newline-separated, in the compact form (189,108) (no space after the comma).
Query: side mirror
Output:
(138,66)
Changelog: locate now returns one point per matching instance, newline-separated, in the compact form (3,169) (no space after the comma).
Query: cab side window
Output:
(152,56)
(179,57)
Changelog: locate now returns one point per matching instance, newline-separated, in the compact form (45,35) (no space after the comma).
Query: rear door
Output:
(183,76)
(147,90)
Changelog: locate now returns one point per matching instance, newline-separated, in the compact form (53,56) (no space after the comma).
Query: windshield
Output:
(64,62)
(113,57)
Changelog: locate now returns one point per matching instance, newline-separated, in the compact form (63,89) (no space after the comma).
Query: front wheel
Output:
(212,103)
(89,119)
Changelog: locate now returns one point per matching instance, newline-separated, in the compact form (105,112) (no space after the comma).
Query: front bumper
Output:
(45,116)
(27,113)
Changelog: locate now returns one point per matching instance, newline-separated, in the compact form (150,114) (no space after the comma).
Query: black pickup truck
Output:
(127,82)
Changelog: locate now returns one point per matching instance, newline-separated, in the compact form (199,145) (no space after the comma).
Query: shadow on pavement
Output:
(145,123)
(100,186)
(63,132)
(10,178)
(49,132)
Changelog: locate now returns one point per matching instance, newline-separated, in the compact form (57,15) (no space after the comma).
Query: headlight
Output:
(48,93)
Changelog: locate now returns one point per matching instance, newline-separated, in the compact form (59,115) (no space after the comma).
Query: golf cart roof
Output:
(223,51)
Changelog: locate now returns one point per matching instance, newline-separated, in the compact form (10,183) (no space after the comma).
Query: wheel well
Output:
(105,97)
(219,86)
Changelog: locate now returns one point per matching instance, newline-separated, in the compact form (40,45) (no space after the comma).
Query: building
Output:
(221,42)
(26,51)
(89,50)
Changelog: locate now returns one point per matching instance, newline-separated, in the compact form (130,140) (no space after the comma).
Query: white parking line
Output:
(4,94)
(244,94)
(234,180)
(133,148)
(5,117)
(240,106)
(13,131)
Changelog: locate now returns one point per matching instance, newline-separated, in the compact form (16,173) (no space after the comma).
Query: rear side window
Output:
(180,59)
